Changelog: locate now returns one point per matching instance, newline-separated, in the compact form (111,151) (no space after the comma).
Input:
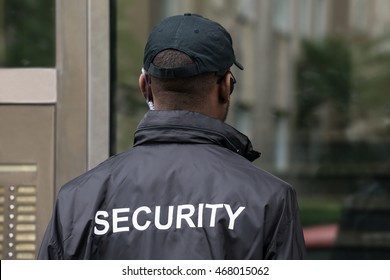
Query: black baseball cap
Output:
(207,42)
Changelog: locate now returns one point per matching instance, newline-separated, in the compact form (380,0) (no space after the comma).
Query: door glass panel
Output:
(132,27)
(314,99)
(27,33)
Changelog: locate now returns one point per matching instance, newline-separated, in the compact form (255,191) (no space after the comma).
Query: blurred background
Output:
(313,98)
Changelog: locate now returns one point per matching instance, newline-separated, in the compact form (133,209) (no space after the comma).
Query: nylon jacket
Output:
(186,190)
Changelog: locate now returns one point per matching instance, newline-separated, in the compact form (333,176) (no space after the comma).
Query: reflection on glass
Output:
(343,136)
(27,33)
(132,27)
(332,88)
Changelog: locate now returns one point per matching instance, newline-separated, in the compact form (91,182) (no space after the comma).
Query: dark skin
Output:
(216,103)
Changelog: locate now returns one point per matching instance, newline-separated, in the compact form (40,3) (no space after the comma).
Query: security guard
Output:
(187,189)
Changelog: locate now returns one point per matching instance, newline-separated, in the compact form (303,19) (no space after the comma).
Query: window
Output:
(282,12)
(331,141)
(27,43)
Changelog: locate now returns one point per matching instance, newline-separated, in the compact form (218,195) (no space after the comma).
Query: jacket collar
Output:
(190,127)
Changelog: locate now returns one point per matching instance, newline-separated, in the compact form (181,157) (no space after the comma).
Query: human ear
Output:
(146,89)
(142,85)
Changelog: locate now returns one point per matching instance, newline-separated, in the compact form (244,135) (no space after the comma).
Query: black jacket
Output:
(186,190)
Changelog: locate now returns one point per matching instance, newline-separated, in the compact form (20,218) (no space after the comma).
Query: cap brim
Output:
(239,65)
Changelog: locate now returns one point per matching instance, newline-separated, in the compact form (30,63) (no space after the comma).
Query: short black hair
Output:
(180,93)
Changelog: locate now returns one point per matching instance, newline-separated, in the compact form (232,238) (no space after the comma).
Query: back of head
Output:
(180,93)
(183,54)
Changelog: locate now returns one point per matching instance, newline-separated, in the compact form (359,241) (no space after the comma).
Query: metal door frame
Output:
(78,90)
(82,118)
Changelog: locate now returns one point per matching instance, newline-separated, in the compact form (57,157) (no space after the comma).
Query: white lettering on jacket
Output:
(179,216)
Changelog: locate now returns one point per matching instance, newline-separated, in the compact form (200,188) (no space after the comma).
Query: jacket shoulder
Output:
(93,177)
